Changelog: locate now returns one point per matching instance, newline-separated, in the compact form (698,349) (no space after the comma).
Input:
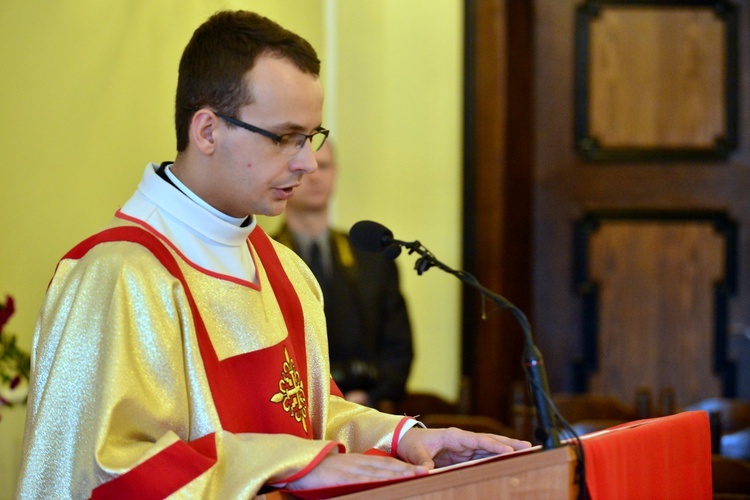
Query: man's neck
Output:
(310,224)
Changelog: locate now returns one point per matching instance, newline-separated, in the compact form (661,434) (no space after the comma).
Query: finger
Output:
(409,470)
(385,464)
(515,444)
(498,443)
(337,470)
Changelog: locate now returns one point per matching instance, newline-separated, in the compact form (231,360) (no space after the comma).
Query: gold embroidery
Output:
(291,393)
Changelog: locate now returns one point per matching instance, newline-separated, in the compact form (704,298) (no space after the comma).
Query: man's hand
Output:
(441,447)
(347,468)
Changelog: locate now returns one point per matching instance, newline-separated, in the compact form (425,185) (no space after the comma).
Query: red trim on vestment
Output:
(288,301)
(314,463)
(397,435)
(231,377)
(225,380)
(164,239)
(164,473)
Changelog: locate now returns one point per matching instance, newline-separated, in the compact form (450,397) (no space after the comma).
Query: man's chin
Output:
(274,210)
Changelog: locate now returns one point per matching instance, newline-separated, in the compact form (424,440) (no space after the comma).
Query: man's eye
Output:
(290,139)
(299,140)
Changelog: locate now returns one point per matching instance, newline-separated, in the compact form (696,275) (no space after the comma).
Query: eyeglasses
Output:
(287,143)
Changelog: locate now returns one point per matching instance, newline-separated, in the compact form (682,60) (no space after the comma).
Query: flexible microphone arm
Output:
(536,375)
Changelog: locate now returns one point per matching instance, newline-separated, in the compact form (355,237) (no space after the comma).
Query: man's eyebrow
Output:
(295,127)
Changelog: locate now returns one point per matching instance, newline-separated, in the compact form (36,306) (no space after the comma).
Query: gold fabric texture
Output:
(117,376)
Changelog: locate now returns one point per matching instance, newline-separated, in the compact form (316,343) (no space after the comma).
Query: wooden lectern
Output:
(548,474)
(666,457)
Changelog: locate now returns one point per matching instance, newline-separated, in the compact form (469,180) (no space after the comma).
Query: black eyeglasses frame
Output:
(278,139)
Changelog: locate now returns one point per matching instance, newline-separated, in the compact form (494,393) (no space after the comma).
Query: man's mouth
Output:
(286,192)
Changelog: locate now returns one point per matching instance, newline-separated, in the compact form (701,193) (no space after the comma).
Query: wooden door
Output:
(529,181)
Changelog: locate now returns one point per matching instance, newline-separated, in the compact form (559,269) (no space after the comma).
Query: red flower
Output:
(6,311)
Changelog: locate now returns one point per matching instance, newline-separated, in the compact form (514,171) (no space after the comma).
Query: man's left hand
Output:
(441,447)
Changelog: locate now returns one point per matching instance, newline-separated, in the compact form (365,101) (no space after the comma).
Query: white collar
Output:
(185,206)
(237,221)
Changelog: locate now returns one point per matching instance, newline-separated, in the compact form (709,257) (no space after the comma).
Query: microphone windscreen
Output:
(370,236)
(392,251)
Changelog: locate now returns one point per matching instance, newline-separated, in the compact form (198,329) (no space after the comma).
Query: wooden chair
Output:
(592,407)
(435,412)
(588,412)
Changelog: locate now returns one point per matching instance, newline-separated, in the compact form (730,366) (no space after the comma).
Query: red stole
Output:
(263,391)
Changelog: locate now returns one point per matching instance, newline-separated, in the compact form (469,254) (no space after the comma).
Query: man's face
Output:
(317,187)
(251,175)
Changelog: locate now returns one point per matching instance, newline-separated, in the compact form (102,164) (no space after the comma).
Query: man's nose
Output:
(304,160)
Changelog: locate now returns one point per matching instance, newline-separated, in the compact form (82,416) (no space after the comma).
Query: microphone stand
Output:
(536,376)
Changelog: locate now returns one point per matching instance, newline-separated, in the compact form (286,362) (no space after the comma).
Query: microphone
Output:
(369,236)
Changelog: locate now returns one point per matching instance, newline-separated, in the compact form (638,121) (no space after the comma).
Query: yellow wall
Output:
(86,100)
(399,128)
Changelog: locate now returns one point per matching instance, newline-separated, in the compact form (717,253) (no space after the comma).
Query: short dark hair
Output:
(221,51)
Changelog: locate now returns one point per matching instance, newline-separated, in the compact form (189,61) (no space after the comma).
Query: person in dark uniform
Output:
(369,332)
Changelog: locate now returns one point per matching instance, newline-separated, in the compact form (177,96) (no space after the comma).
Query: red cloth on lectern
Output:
(666,457)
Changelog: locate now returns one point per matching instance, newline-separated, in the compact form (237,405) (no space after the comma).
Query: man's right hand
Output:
(338,469)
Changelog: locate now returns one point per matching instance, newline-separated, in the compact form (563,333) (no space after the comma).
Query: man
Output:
(369,336)
(182,352)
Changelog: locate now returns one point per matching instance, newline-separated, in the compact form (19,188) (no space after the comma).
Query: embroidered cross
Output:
(291,393)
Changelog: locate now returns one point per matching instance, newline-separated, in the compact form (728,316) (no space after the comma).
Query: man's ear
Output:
(202,130)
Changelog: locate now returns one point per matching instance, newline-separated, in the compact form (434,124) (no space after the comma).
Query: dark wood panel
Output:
(655,283)
(656,81)
(657,77)
(498,187)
